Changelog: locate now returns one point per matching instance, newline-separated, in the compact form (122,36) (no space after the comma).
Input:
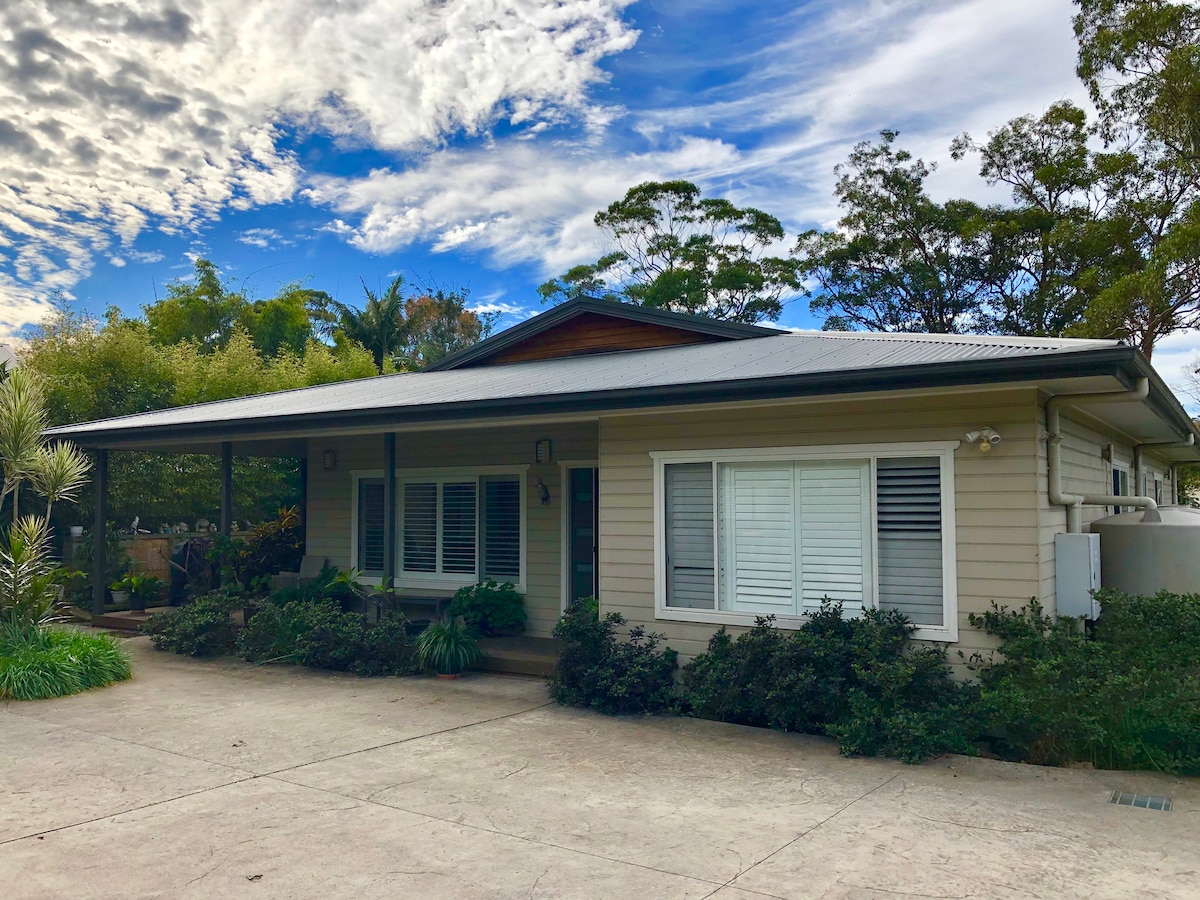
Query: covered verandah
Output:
(553,463)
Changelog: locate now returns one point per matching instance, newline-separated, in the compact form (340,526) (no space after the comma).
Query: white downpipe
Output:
(1075,502)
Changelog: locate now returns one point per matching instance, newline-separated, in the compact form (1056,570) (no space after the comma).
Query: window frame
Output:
(430,581)
(941,450)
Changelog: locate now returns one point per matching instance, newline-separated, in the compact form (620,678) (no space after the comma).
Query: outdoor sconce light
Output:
(541,451)
(329,460)
(543,491)
(985,437)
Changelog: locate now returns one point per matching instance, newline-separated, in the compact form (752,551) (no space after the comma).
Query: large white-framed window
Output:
(454,527)
(741,533)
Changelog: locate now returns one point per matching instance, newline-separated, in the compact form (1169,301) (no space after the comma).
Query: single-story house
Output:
(692,473)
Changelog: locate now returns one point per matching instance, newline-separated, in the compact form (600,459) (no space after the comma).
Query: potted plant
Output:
(448,647)
(137,590)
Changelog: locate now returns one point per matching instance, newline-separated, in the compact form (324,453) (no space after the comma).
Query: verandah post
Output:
(100,535)
(389,509)
(226,488)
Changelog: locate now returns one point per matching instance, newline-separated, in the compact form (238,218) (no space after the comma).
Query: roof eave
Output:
(1118,362)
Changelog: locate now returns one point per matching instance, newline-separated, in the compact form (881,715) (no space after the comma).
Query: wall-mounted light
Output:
(329,460)
(984,438)
(543,491)
(541,451)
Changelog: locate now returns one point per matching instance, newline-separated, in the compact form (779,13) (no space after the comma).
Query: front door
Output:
(583,524)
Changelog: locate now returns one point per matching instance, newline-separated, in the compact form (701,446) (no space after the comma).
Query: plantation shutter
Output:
(458,527)
(834,517)
(502,528)
(420,527)
(370,525)
(758,523)
(909,513)
(689,535)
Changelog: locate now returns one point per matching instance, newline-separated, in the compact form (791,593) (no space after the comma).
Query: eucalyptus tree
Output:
(898,260)
(670,248)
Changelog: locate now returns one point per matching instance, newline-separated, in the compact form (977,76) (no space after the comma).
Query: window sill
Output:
(790,623)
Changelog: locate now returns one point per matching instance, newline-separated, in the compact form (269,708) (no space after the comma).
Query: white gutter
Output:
(1075,502)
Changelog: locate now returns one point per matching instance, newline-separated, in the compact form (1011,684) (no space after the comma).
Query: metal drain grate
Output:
(1141,801)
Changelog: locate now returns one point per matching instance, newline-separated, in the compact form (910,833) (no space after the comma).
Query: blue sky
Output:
(457,144)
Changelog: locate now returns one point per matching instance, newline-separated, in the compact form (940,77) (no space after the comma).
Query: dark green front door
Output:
(582,528)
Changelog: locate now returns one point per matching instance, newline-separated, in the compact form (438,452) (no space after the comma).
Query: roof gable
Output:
(585,326)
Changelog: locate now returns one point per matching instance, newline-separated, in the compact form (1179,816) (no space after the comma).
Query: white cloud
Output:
(840,73)
(263,238)
(118,116)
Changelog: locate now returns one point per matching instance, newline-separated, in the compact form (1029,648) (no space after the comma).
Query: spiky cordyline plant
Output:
(59,472)
(26,574)
(22,420)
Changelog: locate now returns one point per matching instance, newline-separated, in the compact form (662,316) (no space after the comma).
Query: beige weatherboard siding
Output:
(1086,471)
(331,494)
(996,505)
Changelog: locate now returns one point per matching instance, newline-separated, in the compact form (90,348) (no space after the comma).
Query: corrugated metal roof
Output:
(753,359)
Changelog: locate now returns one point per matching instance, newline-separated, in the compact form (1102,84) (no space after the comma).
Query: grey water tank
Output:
(1146,557)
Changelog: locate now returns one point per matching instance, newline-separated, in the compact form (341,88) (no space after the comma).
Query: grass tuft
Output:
(37,664)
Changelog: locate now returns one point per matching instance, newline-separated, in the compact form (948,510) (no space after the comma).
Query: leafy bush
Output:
(859,680)
(598,670)
(1125,696)
(900,700)
(316,633)
(203,627)
(489,607)
(39,663)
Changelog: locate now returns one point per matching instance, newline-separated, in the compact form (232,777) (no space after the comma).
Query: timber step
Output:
(519,655)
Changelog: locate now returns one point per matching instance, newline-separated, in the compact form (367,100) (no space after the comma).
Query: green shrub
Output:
(859,680)
(489,607)
(598,670)
(203,627)
(40,663)
(388,649)
(900,700)
(1126,696)
(316,633)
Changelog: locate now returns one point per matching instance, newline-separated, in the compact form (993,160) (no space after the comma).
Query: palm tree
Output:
(380,326)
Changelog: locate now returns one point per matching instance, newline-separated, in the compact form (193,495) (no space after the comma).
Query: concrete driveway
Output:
(203,779)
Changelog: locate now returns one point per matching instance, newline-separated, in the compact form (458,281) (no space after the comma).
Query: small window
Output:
(1158,491)
(1120,484)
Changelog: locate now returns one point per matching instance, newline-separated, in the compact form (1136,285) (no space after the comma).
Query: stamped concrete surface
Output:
(206,779)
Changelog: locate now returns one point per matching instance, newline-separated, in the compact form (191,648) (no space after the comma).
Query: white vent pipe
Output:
(1075,502)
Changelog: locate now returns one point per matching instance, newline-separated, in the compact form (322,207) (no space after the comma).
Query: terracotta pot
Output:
(448,676)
